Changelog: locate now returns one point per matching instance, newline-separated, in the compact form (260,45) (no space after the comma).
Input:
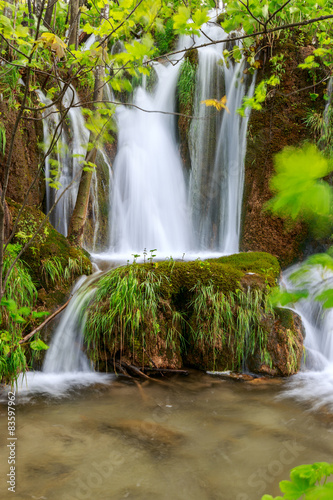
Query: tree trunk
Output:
(74,23)
(49,12)
(78,219)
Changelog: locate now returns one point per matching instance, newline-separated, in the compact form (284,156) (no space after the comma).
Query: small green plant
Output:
(321,126)
(2,138)
(307,482)
(278,65)
(52,269)
(186,84)
(165,37)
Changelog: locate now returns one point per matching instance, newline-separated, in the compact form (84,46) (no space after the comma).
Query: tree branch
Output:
(50,318)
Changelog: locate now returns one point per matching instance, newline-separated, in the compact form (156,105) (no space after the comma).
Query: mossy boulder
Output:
(210,315)
(51,261)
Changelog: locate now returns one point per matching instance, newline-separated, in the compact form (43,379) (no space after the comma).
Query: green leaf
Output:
(38,345)
(41,314)
(320,259)
(24,311)
(294,489)
(200,17)
(323,492)
(9,304)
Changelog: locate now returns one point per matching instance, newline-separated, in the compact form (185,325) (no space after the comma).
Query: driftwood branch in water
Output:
(133,369)
(167,371)
(31,334)
(126,368)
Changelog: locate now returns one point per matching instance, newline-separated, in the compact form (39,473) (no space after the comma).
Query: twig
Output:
(58,311)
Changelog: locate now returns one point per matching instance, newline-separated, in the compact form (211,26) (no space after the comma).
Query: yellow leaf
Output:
(221,104)
(54,43)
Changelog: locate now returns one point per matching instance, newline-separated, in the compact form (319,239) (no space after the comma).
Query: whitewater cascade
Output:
(218,147)
(66,351)
(149,207)
(68,155)
(315,382)
(152,206)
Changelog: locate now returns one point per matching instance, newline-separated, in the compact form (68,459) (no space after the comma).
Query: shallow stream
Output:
(198,437)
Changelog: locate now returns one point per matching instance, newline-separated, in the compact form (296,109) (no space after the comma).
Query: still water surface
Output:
(197,437)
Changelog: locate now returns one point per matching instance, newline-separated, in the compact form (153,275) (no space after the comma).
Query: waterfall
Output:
(60,156)
(218,148)
(148,200)
(151,205)
(66,366)
(69,153)
(66,351)
(314,383)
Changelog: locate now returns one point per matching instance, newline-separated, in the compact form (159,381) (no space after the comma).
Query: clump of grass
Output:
(292,360)
(124,311)
(321,126)
(235,319)
(53,270)
(21,294)
(20,286)
(165,39)
(186,84)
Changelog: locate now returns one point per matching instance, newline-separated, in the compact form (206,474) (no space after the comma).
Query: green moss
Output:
(50,248)
(261,263)
(286,317)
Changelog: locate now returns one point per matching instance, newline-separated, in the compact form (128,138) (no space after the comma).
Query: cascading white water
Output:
(66,366)
(218,148)
(66,353)
(148,201)
(51,127)
(71,170)
(314,383)
(69,154)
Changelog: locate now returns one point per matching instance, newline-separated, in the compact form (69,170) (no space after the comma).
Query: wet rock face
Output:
(279,124)
(285,346)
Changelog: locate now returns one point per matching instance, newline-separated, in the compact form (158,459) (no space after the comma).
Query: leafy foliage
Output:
(299,188)
(307,482)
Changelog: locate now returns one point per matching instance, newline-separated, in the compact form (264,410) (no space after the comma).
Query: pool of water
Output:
(198,437)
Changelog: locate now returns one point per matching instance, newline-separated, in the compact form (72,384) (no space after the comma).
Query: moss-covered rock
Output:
(210,315)
(51,261)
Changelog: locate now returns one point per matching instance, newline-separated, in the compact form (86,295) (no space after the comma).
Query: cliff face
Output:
(280,123)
